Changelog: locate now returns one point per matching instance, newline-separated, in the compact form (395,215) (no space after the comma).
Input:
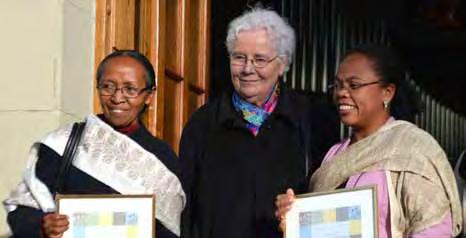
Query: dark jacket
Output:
(232,177)
(25,222)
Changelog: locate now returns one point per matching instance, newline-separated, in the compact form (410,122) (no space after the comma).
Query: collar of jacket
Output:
(285,109)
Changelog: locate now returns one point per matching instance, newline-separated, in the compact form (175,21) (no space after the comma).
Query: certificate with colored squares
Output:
(344,213)
(116,216)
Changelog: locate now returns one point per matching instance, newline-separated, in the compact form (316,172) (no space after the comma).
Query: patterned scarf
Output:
(253,114)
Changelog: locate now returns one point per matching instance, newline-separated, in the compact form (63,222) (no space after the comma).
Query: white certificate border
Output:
(143,205)
(365,197)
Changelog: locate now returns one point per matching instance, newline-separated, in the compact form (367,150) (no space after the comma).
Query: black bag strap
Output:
(68,154)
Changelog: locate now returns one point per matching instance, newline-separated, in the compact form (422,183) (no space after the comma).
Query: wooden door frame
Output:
(117,27)
(109,17)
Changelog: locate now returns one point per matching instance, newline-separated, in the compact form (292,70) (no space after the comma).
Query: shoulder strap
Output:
(68,154)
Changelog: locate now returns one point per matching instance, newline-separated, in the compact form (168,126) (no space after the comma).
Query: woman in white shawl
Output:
(117,154)
(416,189)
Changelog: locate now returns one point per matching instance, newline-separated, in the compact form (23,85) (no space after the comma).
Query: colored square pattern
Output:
(83,222)
(105,219)
(131,219)
(355,227)
(132,231)
(91,219)
(342,214)
(119,218)
(330,215)
(317,217)
(314,222)
(354,212)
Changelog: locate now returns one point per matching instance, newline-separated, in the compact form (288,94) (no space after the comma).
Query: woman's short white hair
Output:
(280,32)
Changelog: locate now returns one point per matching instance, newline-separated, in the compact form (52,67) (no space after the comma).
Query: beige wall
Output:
(46,73)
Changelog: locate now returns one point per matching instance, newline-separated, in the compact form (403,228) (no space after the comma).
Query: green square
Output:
(91,219)
(317,217)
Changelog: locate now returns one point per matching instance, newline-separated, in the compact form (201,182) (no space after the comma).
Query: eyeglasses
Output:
(108,89)
(350,86)
(258,62)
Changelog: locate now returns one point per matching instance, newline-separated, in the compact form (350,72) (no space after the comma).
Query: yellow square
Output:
(105,219)
(330,215)
(131,231)
(355,227)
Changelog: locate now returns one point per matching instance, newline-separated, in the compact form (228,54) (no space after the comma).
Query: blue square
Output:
(305,231)
(79,231)
(131,218)
(355,213)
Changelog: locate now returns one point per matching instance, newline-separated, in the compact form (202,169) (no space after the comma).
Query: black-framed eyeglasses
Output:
(107,89)
(257,61)
(350,86)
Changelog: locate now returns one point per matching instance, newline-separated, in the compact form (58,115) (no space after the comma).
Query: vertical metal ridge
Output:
(324,33)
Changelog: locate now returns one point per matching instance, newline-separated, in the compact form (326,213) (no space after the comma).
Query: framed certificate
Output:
(343,213)
(116,216)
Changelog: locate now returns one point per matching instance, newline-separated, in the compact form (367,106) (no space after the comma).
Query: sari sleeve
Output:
(425,205)
(441,230)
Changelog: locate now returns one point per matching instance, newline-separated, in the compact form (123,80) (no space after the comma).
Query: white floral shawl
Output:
(113,159)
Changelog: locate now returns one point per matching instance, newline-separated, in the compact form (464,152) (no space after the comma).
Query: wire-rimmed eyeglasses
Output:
(350,86)
(107,89)
(257,61)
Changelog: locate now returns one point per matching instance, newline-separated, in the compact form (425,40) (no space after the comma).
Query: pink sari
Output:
(378,178)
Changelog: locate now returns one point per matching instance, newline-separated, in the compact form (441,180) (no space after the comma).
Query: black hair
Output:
(148,68)
(391,70)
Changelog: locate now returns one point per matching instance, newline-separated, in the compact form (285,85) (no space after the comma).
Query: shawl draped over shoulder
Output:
(421,180)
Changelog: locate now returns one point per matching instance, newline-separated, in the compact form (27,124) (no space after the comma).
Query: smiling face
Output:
(255,84)
(361,108)
(119,111)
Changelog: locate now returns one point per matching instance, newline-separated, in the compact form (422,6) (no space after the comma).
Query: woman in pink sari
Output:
(416,188)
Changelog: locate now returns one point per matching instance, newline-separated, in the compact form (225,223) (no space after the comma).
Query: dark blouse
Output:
(26,221)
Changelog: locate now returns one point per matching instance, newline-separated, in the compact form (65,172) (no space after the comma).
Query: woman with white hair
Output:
(253,142)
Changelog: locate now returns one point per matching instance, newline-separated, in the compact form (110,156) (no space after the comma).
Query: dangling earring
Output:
(386,104)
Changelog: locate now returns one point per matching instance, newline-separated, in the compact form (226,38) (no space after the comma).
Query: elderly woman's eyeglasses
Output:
(258,61)
(107,89)
(350,86)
